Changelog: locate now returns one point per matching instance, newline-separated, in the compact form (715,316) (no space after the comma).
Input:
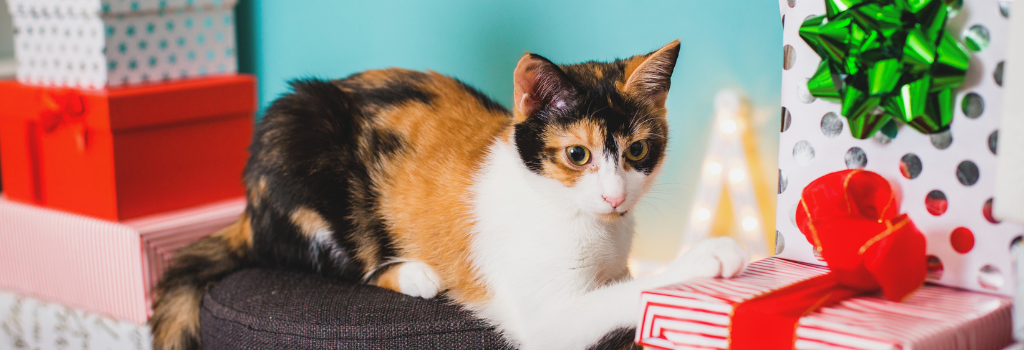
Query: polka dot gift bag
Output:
(99,43)
(911,90)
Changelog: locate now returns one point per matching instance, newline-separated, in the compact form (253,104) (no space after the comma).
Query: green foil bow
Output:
(886,59)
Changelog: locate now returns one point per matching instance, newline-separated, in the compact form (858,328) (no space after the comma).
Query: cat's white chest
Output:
(531,247)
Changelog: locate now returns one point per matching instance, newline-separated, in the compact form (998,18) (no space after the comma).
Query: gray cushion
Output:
(270,309)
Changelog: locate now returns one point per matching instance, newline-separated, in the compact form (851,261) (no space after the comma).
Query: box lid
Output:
(111,7)
(120,109)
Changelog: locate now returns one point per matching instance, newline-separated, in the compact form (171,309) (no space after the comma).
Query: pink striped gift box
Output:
(695,315)
(97,265)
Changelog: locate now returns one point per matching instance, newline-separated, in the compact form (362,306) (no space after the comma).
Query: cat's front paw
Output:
(418,280)
(712,257)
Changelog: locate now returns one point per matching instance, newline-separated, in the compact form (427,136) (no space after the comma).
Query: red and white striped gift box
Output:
(695,315)
(97,265)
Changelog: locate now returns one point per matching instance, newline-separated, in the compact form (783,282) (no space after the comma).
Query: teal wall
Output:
(736,44)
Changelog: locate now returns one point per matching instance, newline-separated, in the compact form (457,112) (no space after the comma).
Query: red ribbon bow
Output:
(851,218)
(64,108)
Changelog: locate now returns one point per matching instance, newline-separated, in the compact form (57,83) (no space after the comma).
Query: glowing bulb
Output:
(749,223)
(728,126)
(714,168)
(736,175)
(703,214)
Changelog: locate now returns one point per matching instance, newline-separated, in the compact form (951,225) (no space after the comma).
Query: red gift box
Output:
(122,153)
(98,265)
(698,314)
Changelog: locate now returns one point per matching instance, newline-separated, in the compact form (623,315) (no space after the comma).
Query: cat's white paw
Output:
(712,257)
(418,280)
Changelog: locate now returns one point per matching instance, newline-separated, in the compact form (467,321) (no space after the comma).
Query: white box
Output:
(29,323)
(987,265)
(94,44)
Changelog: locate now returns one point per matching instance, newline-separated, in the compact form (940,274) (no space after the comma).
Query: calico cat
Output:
(418,183)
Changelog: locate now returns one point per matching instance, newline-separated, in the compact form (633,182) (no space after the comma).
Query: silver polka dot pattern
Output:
(788,57)
(803,153)
(831,125)
(855,158)
(967,173)
(954,7)
(803,93)
(973,105)
(783,182)
(993,141)
(935,268)
(991,278)
(910,166)
(913,162)
(976,38)
(998,74)
(786,119)
(780,243)
(942,140)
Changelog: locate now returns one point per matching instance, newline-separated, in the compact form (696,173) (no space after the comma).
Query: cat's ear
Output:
(538,84)
(649,76)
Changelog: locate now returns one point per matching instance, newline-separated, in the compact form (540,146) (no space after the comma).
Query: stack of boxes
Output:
(123,139)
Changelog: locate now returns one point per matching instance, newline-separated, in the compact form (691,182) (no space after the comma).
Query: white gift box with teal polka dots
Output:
(95,44)
(110,7)
(944,182)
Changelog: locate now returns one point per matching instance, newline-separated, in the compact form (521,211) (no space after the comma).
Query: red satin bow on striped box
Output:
(870,297)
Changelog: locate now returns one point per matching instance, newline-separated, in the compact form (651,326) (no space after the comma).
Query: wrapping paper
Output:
(29,323)
(110,7)
(83,46)
(944,182)
(96,265)
(696,315)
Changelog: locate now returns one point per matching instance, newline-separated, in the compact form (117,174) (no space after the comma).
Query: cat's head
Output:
(598,129)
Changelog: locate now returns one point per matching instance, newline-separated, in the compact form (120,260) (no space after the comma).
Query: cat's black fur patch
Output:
(619,339)
(530,144)
(308,151)
(394,90)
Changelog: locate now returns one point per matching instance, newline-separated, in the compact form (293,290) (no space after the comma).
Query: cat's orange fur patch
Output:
(388,278)
(425,189)
(632,64)
(239,234)
(258,192)
(587,133)
(308,221)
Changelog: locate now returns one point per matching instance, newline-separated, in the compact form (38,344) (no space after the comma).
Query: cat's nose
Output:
(614,200)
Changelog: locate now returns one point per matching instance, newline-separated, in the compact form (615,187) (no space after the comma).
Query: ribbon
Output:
(887,59)
(61,108)
(851,218)
(64,108)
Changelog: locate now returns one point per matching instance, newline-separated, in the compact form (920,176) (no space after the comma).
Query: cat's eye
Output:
(637,150)
(578,155)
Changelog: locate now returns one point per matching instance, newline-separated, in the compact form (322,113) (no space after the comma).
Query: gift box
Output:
(97,43)
(97,265)
(29,323)
(697,314)
(122,153)
(940,156)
